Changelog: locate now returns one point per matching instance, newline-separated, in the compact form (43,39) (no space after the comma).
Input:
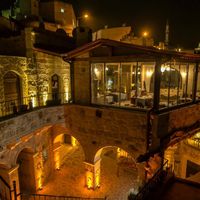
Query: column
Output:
(92,175)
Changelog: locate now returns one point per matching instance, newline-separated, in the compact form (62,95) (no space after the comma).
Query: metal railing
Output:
(5,190)
(6,193)
(152,183)
(16,106)
(54,197)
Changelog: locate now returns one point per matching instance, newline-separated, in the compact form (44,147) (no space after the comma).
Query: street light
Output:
(145,34)
(85,16)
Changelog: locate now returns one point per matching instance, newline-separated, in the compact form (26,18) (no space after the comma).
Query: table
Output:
(143,101)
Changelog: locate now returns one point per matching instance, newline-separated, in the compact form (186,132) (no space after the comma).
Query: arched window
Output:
(12,88)
(55,86)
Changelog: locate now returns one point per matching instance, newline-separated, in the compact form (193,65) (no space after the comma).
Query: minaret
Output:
(167,34)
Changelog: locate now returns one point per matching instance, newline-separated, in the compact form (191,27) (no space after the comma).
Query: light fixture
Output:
(149,73)
(162,69)
(145,34)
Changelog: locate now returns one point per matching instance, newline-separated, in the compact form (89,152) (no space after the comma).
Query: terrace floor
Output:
(116,180)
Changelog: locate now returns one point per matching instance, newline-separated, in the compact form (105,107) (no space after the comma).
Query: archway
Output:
(113,167)
(68,165)
(26,171)
(12,89)
(63,145)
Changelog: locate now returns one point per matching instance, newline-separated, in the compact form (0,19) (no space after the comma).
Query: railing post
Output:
(15,190)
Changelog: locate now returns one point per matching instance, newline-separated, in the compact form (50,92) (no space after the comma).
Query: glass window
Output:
(187,75)
(198,85)
(112,84)
(123,84)
(176,83)
(97,83)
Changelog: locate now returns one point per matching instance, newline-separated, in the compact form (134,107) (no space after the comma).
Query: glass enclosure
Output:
(131,84)
(176,84)
(123,84)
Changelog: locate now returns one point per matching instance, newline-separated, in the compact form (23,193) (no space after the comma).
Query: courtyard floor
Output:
(116,180)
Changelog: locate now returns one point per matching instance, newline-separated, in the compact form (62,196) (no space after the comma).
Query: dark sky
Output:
(150,15)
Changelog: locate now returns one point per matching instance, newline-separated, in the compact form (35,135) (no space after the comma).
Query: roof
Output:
(133,49)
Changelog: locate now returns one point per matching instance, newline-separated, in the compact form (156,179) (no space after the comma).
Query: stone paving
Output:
(116,181)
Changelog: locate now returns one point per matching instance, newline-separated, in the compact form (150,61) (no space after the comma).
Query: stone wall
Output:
(93,128)
(43,68)
(184,117)
(187,153)
(82,82)
(18,65)
(13,129)
(96,128)
(35,74)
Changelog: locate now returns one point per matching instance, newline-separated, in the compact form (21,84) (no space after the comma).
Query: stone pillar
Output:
(89,175)
(57,157)
(92,174)
(97,173)
(38,168)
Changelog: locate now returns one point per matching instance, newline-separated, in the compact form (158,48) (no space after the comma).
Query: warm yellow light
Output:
(121,153)
(57,160)
(149,73)
(40,183)
(73,141)
(86,16)
(97,180)
(67,94)
(45,97)
(89,180)
(145,34)
(33,100)
(184,74)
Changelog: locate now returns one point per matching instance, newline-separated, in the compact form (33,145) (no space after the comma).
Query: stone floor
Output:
(116,180)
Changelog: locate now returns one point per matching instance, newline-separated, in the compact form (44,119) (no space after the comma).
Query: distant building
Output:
(53,14)
(123,34)
(114,33)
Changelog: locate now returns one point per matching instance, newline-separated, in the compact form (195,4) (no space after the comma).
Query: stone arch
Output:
(26,170)
(109,158)
(57,131)
(12,88)
(23,77)
(26,147)
(99,151)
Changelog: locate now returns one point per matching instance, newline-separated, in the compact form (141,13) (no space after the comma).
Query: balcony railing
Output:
(152,183)
(16,106)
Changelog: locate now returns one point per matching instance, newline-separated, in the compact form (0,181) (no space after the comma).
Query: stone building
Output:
(53,14)
(123,34)
(107,96)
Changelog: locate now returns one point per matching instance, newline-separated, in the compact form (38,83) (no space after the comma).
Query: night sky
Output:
(150,15)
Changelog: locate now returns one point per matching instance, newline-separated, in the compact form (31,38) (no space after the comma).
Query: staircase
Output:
(154,185)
